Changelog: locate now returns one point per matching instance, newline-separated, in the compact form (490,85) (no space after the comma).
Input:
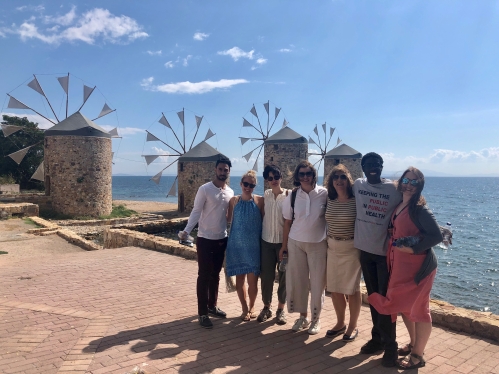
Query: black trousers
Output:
(375,271)
(211,255)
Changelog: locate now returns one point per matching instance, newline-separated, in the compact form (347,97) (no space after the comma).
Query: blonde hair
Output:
(250,174)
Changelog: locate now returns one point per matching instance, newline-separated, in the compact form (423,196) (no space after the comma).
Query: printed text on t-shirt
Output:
(377,204)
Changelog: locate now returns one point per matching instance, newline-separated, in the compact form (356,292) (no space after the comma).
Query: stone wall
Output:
(44,202)
(191,176)
(352,164)
(78,175)
(9,188)
(286,156)
(18,210)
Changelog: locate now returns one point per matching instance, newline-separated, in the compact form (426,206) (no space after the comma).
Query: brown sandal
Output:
(252,314)
(406,350)
(245,317)
(409,364)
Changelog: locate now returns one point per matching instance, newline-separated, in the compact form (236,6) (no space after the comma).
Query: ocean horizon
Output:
(468,272)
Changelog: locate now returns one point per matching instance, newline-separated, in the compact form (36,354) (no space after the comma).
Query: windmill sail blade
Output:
(112,154)
(331,131)
(39,173)
(246,123)
(157,177)
(105,110)
(253,111)
(324,127)
(311,141)
(19,155)
(164,121)
(209,134)
(87,91)
(277,110)
(248,156)
(151,137)
(10,129)
(339,141)
(244,140)
(255,166)
(198,120)
(315,130)
(173,189)
(284,123)
(266,105)
(114,133)
(181,116)
(64,82)
(36,86)
(16,104)
(150,158)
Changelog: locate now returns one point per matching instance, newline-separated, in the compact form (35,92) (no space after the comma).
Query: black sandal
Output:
(409,364)
(405,351)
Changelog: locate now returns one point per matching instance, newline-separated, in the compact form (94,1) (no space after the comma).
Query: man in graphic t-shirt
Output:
(210,213)
(376,198)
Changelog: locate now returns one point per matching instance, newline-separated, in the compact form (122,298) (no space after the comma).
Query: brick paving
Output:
(111,310)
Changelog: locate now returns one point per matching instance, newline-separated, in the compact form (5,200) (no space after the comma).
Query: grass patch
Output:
(30,222)
(3,253)
(119,211)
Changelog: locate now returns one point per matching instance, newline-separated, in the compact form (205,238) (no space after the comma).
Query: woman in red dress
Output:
(412,264)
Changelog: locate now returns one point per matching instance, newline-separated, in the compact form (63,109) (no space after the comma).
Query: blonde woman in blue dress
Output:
(243,247)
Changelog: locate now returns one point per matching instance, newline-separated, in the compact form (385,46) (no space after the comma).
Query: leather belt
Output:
(337,238)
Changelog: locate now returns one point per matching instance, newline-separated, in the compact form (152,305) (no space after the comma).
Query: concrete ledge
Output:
(75,239)
(116,238)
(112,221)
(19,210)
(46,225)
(153,227)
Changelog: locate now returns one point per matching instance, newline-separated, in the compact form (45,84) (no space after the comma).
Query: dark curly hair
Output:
(304,164)
(371,154)
(223,160)
(271,169)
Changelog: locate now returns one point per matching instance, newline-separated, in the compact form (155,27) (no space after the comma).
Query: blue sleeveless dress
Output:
(243,247)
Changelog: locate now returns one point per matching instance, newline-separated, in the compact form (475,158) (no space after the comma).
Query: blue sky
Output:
(415,81)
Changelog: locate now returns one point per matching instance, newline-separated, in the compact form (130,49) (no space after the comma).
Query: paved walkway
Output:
(68,310)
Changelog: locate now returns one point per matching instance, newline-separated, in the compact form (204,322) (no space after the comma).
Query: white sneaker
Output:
(300,324)
(315,327)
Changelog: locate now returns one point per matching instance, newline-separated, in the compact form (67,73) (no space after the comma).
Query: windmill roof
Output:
(286,135)
(343,151)
(201,152)
(77,125)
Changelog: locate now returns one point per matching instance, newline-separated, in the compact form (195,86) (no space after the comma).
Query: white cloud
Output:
(186,60)
(42,122)
(261,61)
(285,50)
(200,36)
(95,24)
(191,87)
(34,8)
(124,131)
(236,53)
(169,64)
(63,20)
(154,53)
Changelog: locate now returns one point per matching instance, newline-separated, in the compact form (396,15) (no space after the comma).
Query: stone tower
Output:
(285,149)
(195,168)
(345,155)
(78,167)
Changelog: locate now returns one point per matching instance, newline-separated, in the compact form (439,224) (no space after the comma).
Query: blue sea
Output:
(468,272)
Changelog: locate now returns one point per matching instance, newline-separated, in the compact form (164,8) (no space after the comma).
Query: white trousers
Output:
(306,270)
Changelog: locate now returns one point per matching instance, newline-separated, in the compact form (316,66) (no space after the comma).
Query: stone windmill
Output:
(195,163)
(77,156)
(285,148)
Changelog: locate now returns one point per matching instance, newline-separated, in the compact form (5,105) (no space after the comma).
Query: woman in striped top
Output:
(343,264)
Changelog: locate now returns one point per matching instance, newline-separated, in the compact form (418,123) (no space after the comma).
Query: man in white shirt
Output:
(210,213)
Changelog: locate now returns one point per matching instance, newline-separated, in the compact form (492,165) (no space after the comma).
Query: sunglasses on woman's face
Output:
(250,185)
(305,174)
(413,182)
(343,177)
(277,177)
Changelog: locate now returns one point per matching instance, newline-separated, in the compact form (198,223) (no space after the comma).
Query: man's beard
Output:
(221,177)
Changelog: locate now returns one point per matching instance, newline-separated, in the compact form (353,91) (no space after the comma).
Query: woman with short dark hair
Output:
(412,264)
(304,237)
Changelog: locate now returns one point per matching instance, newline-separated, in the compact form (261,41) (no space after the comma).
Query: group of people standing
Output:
(326,237)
